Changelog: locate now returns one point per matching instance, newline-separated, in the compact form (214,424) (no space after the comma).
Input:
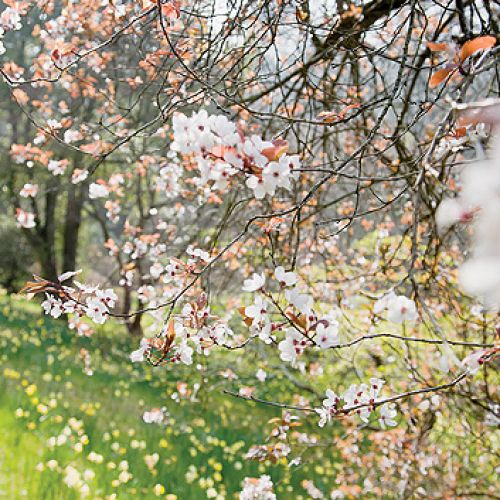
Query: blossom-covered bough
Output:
(268,178)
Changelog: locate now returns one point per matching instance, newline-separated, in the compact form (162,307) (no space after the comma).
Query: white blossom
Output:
(57,167)
(451,211)
(154,416)
(256,282)
(185,353)
(137,356)
(401,309)
(293,345)
(257,489)
(327,334)
(278,173)
(302,301)
(52,306)
(285,278)
(480,275)
(29,190)
(257,311)
(72,136)
(474,361)
(79,175)
(98,191)
(96,310)
(108,297)
(25,219)
(261,186)
(387,412)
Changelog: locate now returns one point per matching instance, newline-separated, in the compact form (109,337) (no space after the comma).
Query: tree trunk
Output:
(72,227)
(133,324)
(47,250)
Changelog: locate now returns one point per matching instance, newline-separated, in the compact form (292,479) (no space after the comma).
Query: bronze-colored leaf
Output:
(439,76)
(437,47)
(472,46)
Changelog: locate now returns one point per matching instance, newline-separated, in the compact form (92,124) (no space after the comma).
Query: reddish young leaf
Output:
(458,132)
(332,116)
(439,76)
(40,285)
(171,10)
(170,333)
(248,321)
(472,46)
(279,147)
(328,116)
(437,47)
(300,322)
(55,55)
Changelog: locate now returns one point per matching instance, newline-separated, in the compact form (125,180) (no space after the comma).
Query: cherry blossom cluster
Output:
(272,452)
(10,20)
(155,416)
(98,189)
(169,178)
(177,270)
(202,328)
(25,219)
(79,300)
(102,189)
(479,201)
(360,399)
(260,488)
(276,446)
(302,326)
(162,351)
(193,329)
(141,245)
(456,141)
(151,247)
(222,152)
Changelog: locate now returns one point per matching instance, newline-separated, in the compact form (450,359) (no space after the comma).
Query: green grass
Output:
(15,467)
